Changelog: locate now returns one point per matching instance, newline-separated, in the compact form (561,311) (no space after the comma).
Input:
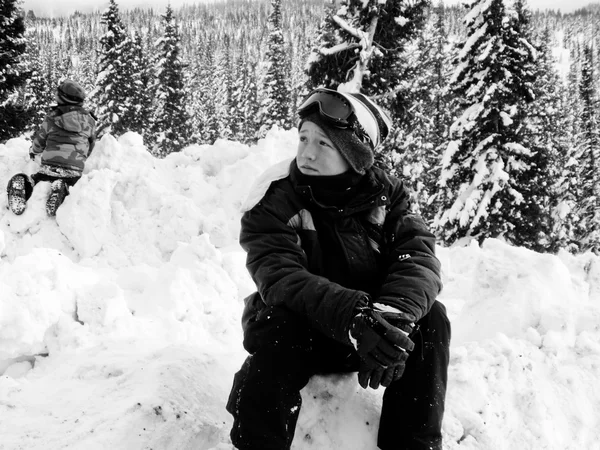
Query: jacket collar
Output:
(368,193)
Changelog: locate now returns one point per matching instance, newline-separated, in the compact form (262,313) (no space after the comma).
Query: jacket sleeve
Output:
(39,138)
(413,280)
(279,268)
(92,138)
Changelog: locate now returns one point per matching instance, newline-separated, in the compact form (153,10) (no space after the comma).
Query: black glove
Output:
(367,376)
(378,343)
(374,376)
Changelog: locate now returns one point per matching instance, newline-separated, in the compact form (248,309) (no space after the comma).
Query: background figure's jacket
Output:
(320,261)
(66,137)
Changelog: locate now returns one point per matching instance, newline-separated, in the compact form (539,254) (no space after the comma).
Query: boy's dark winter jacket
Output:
(320,261)
(66,137)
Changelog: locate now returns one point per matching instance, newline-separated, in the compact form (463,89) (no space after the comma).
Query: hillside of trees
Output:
(497,131)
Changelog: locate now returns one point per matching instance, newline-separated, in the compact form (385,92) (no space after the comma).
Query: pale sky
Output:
(55,8)
(66,7)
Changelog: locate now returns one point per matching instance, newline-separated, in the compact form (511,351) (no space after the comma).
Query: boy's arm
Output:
(413,278)
(92,138)
(38,143)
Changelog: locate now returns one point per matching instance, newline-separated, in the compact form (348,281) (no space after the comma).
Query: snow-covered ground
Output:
(120,318)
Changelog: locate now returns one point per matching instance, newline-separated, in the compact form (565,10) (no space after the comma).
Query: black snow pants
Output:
(285,352)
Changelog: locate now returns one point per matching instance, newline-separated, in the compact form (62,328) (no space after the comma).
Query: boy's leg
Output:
(19,189)
(58,191)
(413,407)
(265,399)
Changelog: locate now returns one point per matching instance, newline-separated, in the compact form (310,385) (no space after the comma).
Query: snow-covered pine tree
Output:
(360,47)
(12,73)
(140,96)
(223,92)
(549,184)
(202,90)
(114,80)
(244,96)
(274,109)
(533,226)
(588,156)
(485,162)
(415,151)
(36,95)
(170,127)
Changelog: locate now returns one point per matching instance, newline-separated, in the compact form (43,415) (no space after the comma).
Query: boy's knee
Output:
(438,322)
(277,326)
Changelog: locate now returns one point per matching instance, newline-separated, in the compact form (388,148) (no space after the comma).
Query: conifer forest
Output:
(496,107)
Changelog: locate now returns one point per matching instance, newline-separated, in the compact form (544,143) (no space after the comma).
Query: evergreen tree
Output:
(244,101)
(170,119)
(415,151)
(274,109)
(202,85)
(35,95)
(227,127)
(12,73)
(547,185)
(486,162)
(588,155)
(139,108)
(113,81)
(533,228)
(361,47)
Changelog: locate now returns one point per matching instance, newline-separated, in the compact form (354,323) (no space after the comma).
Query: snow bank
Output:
(119,318)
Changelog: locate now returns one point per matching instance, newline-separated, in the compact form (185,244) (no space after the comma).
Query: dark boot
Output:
(59,191)
(19,190)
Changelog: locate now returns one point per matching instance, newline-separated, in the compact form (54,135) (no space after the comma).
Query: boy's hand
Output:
(378,343)
(375,376)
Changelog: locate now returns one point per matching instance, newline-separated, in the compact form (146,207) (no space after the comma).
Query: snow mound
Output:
(120,318)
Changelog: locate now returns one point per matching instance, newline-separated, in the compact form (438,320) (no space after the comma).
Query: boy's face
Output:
(316,153)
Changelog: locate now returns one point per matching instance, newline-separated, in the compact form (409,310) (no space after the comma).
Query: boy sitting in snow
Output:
(65,140)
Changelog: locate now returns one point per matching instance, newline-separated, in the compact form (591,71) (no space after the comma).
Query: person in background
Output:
(347,280)
(64,140)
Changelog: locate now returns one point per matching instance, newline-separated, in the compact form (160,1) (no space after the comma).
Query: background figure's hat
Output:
(70,92)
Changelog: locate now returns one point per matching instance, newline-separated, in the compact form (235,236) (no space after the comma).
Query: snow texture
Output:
(120,318)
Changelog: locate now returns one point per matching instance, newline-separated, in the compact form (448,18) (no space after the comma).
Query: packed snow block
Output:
(131,139)
(103,304)
(17,368)
(212,162)
(127,155)
(151,395)
(511,289)
(338,414)
(35,291)
(85,216)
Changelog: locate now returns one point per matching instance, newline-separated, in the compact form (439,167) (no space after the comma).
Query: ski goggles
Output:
(349,111)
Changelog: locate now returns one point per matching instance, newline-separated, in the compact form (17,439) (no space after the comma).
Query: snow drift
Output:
(120,318)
